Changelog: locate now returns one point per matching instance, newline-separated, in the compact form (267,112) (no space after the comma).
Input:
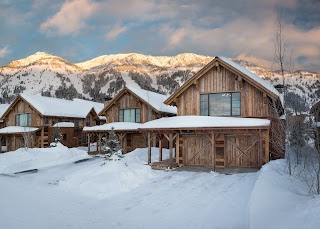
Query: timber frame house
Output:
(126,112)
(231,94)
(46,114)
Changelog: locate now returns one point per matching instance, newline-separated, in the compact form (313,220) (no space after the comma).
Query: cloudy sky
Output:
(78,30)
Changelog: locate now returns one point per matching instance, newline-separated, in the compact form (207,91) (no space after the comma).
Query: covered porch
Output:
(213,142)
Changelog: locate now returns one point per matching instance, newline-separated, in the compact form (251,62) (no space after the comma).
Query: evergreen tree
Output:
(112,147)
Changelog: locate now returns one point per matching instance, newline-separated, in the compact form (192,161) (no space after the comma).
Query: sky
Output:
(79,30)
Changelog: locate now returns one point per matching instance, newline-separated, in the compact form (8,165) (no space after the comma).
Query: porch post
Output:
(149,148)
(267,147)
(88,134)
(1,144)
(213,143)
(170,149)
(160,147)
(177,150)
(99,143)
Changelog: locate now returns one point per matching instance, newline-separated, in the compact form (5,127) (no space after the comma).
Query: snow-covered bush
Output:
(111,147)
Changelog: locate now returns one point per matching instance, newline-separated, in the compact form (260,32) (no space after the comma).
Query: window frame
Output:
(137,114)
(29,118)
(207,112)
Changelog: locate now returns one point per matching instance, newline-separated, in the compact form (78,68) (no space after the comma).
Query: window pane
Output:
(126,115)
(137,115)
(23,119)
(204,105)
(236,104)
(132,115)
(121,115)
(220,104)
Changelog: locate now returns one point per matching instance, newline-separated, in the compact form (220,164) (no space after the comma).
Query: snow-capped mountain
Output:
(42,73)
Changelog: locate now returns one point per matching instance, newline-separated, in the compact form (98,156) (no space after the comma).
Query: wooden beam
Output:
(177,150)
(260,151)
(171,149)
(160,148)
(267,139)
(88,136)
(213,143)
(100,136)
(149,148)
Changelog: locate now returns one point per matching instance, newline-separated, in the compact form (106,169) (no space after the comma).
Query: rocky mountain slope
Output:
(49,75)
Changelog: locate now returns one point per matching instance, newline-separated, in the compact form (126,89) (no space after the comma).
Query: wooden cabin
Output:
(43,113)
(223,92)
(130,105)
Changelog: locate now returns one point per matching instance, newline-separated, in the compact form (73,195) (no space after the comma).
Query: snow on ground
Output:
(280,201)
(27,159)
(129,194)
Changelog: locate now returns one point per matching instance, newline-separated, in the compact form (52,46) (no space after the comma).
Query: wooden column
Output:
(213,143)
(88,136)
(100,143)
(160,147)
(42,138)
(177,150)
(260,151)
(149,148)
(267,146)
(97,143)
(170,149)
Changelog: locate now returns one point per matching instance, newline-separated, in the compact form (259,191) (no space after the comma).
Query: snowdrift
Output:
(36,158)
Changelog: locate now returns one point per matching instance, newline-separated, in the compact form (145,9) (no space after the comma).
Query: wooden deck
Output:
(163,165)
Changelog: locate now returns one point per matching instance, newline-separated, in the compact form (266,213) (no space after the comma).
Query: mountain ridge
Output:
(105,75)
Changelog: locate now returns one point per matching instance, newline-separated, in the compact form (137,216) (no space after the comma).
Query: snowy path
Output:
(167,200)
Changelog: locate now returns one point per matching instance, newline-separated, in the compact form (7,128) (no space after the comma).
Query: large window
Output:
(129,115)
(23,119)
(220,104)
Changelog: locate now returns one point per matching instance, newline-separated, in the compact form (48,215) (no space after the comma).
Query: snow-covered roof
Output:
(17,129)
(64,124)
(3,108)
(49,106)
(89,104)
(115,125)
(318,124)
(154,99)
(204,122)
(251,75)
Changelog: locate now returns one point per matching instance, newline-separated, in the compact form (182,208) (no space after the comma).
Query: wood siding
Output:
(254,103)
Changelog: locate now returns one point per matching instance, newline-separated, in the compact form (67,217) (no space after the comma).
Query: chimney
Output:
(107,100)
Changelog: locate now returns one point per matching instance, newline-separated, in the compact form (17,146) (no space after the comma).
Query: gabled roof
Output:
(155,100)
(17,130)
(235,68)
(49,106)
(3,108)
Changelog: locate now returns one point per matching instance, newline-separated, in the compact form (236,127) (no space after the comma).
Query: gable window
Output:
(129,115)
(220,104)
(23,119)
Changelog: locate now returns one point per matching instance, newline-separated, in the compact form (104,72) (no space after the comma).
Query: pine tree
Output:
(112,147)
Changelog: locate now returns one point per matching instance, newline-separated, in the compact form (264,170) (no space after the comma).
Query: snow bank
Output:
(279,201)
(114,177)
(36,158)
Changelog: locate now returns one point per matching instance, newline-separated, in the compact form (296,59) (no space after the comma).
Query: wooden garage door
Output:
(197,150)
(138,141)
(242,151)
